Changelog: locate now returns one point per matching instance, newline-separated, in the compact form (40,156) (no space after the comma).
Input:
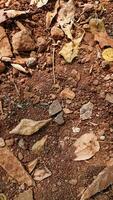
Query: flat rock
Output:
(22,41)
(109,98)
(5,48)
(27,195)
(59,118)
(55,108)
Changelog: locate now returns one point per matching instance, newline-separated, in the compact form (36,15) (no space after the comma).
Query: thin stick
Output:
(16,88)
(53,59)
(1,108)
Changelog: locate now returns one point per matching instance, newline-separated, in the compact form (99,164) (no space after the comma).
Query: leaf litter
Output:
(42,173)
(39,145)
(28,126)
(39,3)
(107,54)
(86,146)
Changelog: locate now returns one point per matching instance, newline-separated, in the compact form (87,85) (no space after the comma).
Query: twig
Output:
(1,108)
(16,88)
(53,60)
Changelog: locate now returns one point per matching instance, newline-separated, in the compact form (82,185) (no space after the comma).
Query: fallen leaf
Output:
(66,17)
(41,174)
(107,54)
(70,50)
(86,146)
(50,15)
(9,14)
(26,195)
(31,165)
(13,167)
(19,67)
(101,182)
(86,111)
(29,126)
(39,145)
(39,3)
(100,35)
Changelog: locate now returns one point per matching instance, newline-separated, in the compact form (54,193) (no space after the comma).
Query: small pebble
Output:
(20,156)
(21,143)
(102,137)
(59,118)
(54,108)
(75,129)
(73,181)
(9,142)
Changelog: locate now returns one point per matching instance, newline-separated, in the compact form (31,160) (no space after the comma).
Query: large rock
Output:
(22,41)
(5,48)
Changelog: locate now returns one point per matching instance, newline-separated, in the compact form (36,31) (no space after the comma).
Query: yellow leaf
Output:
(70,50)
(107,54)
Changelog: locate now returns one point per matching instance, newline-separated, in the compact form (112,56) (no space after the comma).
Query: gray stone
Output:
(59,118)
(86,111)
(54,108)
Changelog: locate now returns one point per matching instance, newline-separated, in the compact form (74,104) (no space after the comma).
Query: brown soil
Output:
(34,100)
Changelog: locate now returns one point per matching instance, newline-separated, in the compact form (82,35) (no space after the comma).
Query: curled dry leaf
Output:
(70,50)
(50,15)
(31,165)
(101,182)
(86,146)
(66,17)
(3,196)
(39,145)
(19,67)
(100,35)
(41,174)
(13,167)
(29,126)
(107,54)
(9,14)
(39,3)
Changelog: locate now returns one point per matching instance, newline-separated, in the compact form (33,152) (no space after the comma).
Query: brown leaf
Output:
(29,126)
(31,165)
(13,167)
(100,35)
(9,14)
(86,146)
(41,174)
(102,181)
(50,15)
(66,17)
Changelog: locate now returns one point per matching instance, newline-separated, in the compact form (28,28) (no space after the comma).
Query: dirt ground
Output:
(36,93)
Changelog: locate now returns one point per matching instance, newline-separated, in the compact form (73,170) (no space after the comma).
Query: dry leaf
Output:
(100,35)
(29,126)
(86,111)
(70,50)
(31,165)
(26,195)
(41,174)
(50,15)
(9,14)
(13,167)
(102,181)
(86,146)
(107,54)
(66,17)
(19,67)
(3,196)
(38,146)
(39,3)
